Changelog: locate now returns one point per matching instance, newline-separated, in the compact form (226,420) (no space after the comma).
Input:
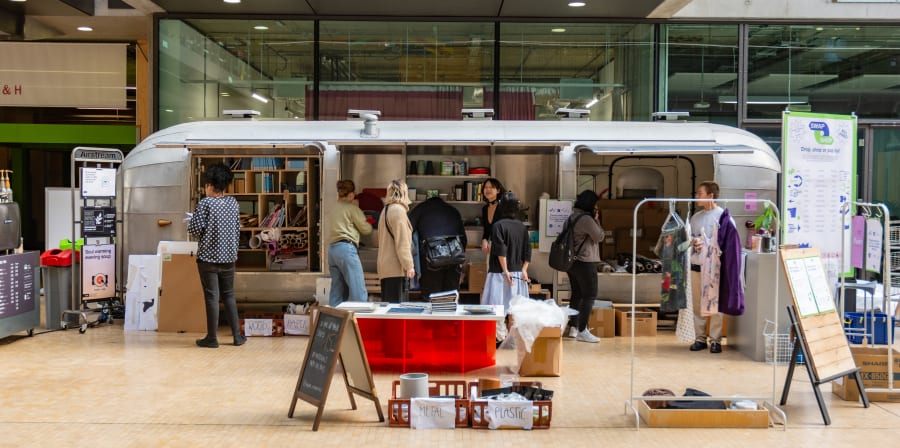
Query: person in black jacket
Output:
(435,217)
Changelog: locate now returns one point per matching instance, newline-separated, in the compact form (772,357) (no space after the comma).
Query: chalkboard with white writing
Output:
(334,336)
(318,367)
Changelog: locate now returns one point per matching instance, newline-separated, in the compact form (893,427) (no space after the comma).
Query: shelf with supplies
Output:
(277,197)
(455,173)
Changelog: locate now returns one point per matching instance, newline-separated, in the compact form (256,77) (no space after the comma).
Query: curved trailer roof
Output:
(598,137)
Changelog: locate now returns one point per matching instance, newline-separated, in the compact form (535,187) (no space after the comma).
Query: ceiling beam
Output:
(667,9)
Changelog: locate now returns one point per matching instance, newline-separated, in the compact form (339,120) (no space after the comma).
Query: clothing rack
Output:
(890,246)
(768,400)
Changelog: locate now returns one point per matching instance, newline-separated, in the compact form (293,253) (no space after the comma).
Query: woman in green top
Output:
(347,223)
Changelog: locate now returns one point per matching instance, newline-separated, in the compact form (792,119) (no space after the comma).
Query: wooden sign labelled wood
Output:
(819,322)
(334,336)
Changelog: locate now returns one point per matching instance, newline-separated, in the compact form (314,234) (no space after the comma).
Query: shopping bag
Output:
(684,329)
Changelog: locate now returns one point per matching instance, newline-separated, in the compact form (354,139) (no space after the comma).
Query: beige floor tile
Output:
(109,387)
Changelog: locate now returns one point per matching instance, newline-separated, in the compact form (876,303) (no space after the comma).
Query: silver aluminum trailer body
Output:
(531,158)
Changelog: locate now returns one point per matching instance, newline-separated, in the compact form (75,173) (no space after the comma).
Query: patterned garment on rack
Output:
(710,264)
(671,250)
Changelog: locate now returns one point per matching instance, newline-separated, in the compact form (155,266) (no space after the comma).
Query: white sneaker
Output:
(586,336)
(573,333)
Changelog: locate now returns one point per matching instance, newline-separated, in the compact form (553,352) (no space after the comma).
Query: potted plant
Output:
(766,221)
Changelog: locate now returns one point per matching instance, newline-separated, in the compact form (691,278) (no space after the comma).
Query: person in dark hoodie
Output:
(715,269)
(432,218)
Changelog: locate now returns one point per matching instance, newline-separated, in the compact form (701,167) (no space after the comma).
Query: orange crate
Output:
(398,408)
(276,318)
(543,409)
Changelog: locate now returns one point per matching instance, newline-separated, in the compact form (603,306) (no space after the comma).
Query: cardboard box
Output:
(603,322)
(477,275)
(704,418)
(296,324)
(545,358)
(644,323)
(872,363)
(181,304)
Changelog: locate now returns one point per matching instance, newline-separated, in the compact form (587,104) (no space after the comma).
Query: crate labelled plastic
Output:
(258,323)
(398,408)
(541,410)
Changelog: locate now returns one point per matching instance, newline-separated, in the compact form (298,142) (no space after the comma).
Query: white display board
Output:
(98,182)
(552,215)
(818,177)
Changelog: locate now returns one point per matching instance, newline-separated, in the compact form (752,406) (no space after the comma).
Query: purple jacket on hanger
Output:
(731,288)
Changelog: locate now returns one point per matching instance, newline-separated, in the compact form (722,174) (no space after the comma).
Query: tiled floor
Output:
(109,387)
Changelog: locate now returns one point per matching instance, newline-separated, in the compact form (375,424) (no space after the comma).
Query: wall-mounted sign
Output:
(63,74)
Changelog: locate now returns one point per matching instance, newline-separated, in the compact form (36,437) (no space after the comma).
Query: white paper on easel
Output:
(432,413)
(874,244)
(815,271)
(803,294)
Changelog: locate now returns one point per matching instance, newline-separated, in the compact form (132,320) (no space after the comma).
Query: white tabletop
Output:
(461,314)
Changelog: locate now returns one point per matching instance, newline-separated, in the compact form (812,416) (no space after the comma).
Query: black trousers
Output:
(583,278)
(217,280)
(444,279)
(395,289)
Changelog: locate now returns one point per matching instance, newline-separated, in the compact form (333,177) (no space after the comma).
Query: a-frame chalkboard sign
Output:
(335,336)
(817,329)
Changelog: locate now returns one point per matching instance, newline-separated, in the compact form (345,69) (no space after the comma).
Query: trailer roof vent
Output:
(566,113)
(370,126)
(241,113)
(671,116)
(477,114)
(355,114)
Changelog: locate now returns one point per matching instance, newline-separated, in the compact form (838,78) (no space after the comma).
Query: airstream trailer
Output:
(292,166)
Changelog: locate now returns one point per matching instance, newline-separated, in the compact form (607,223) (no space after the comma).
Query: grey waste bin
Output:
(57,294)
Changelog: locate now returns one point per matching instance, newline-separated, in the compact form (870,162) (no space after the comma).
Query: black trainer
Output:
(240,340)
(208,343)
(699,345)
(715,347)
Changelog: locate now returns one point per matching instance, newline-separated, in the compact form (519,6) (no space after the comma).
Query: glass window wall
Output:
(406,70)
(210,65)
(604,68)
(838,69)
(886,159)
(699,71)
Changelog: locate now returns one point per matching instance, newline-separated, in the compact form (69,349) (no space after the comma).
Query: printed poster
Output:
(557,214)
(818,177)
(98,271)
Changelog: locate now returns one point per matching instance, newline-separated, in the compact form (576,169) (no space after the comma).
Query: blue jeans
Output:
(347,282)
(217,280)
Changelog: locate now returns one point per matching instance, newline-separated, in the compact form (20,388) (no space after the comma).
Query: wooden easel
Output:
(817,330)
(327,344)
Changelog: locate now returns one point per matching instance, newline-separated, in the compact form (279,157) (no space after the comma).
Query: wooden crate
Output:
(703,418)
(276,318)
(543,409)
(398,408)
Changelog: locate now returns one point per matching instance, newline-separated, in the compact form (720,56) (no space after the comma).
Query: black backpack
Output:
(562,251)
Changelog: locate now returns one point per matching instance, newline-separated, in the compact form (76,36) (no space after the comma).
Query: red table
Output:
(440,342)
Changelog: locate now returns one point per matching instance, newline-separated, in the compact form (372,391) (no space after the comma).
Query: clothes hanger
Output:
(673,217)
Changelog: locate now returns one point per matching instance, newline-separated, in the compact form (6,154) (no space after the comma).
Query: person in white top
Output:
(704,225)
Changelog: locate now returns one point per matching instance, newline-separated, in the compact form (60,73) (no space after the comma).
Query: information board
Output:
(98,221)
(818,177)
(17,278)
(334,336)
(98,271)
(98,182)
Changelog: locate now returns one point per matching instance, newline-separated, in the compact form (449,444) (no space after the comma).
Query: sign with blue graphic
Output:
(818,177)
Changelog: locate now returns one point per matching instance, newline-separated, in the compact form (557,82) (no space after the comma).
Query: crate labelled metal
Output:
(399,408)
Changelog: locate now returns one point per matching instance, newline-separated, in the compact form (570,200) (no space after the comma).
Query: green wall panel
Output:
(74,134)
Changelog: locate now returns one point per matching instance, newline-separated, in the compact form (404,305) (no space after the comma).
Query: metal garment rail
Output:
(886,286)
(769,401)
